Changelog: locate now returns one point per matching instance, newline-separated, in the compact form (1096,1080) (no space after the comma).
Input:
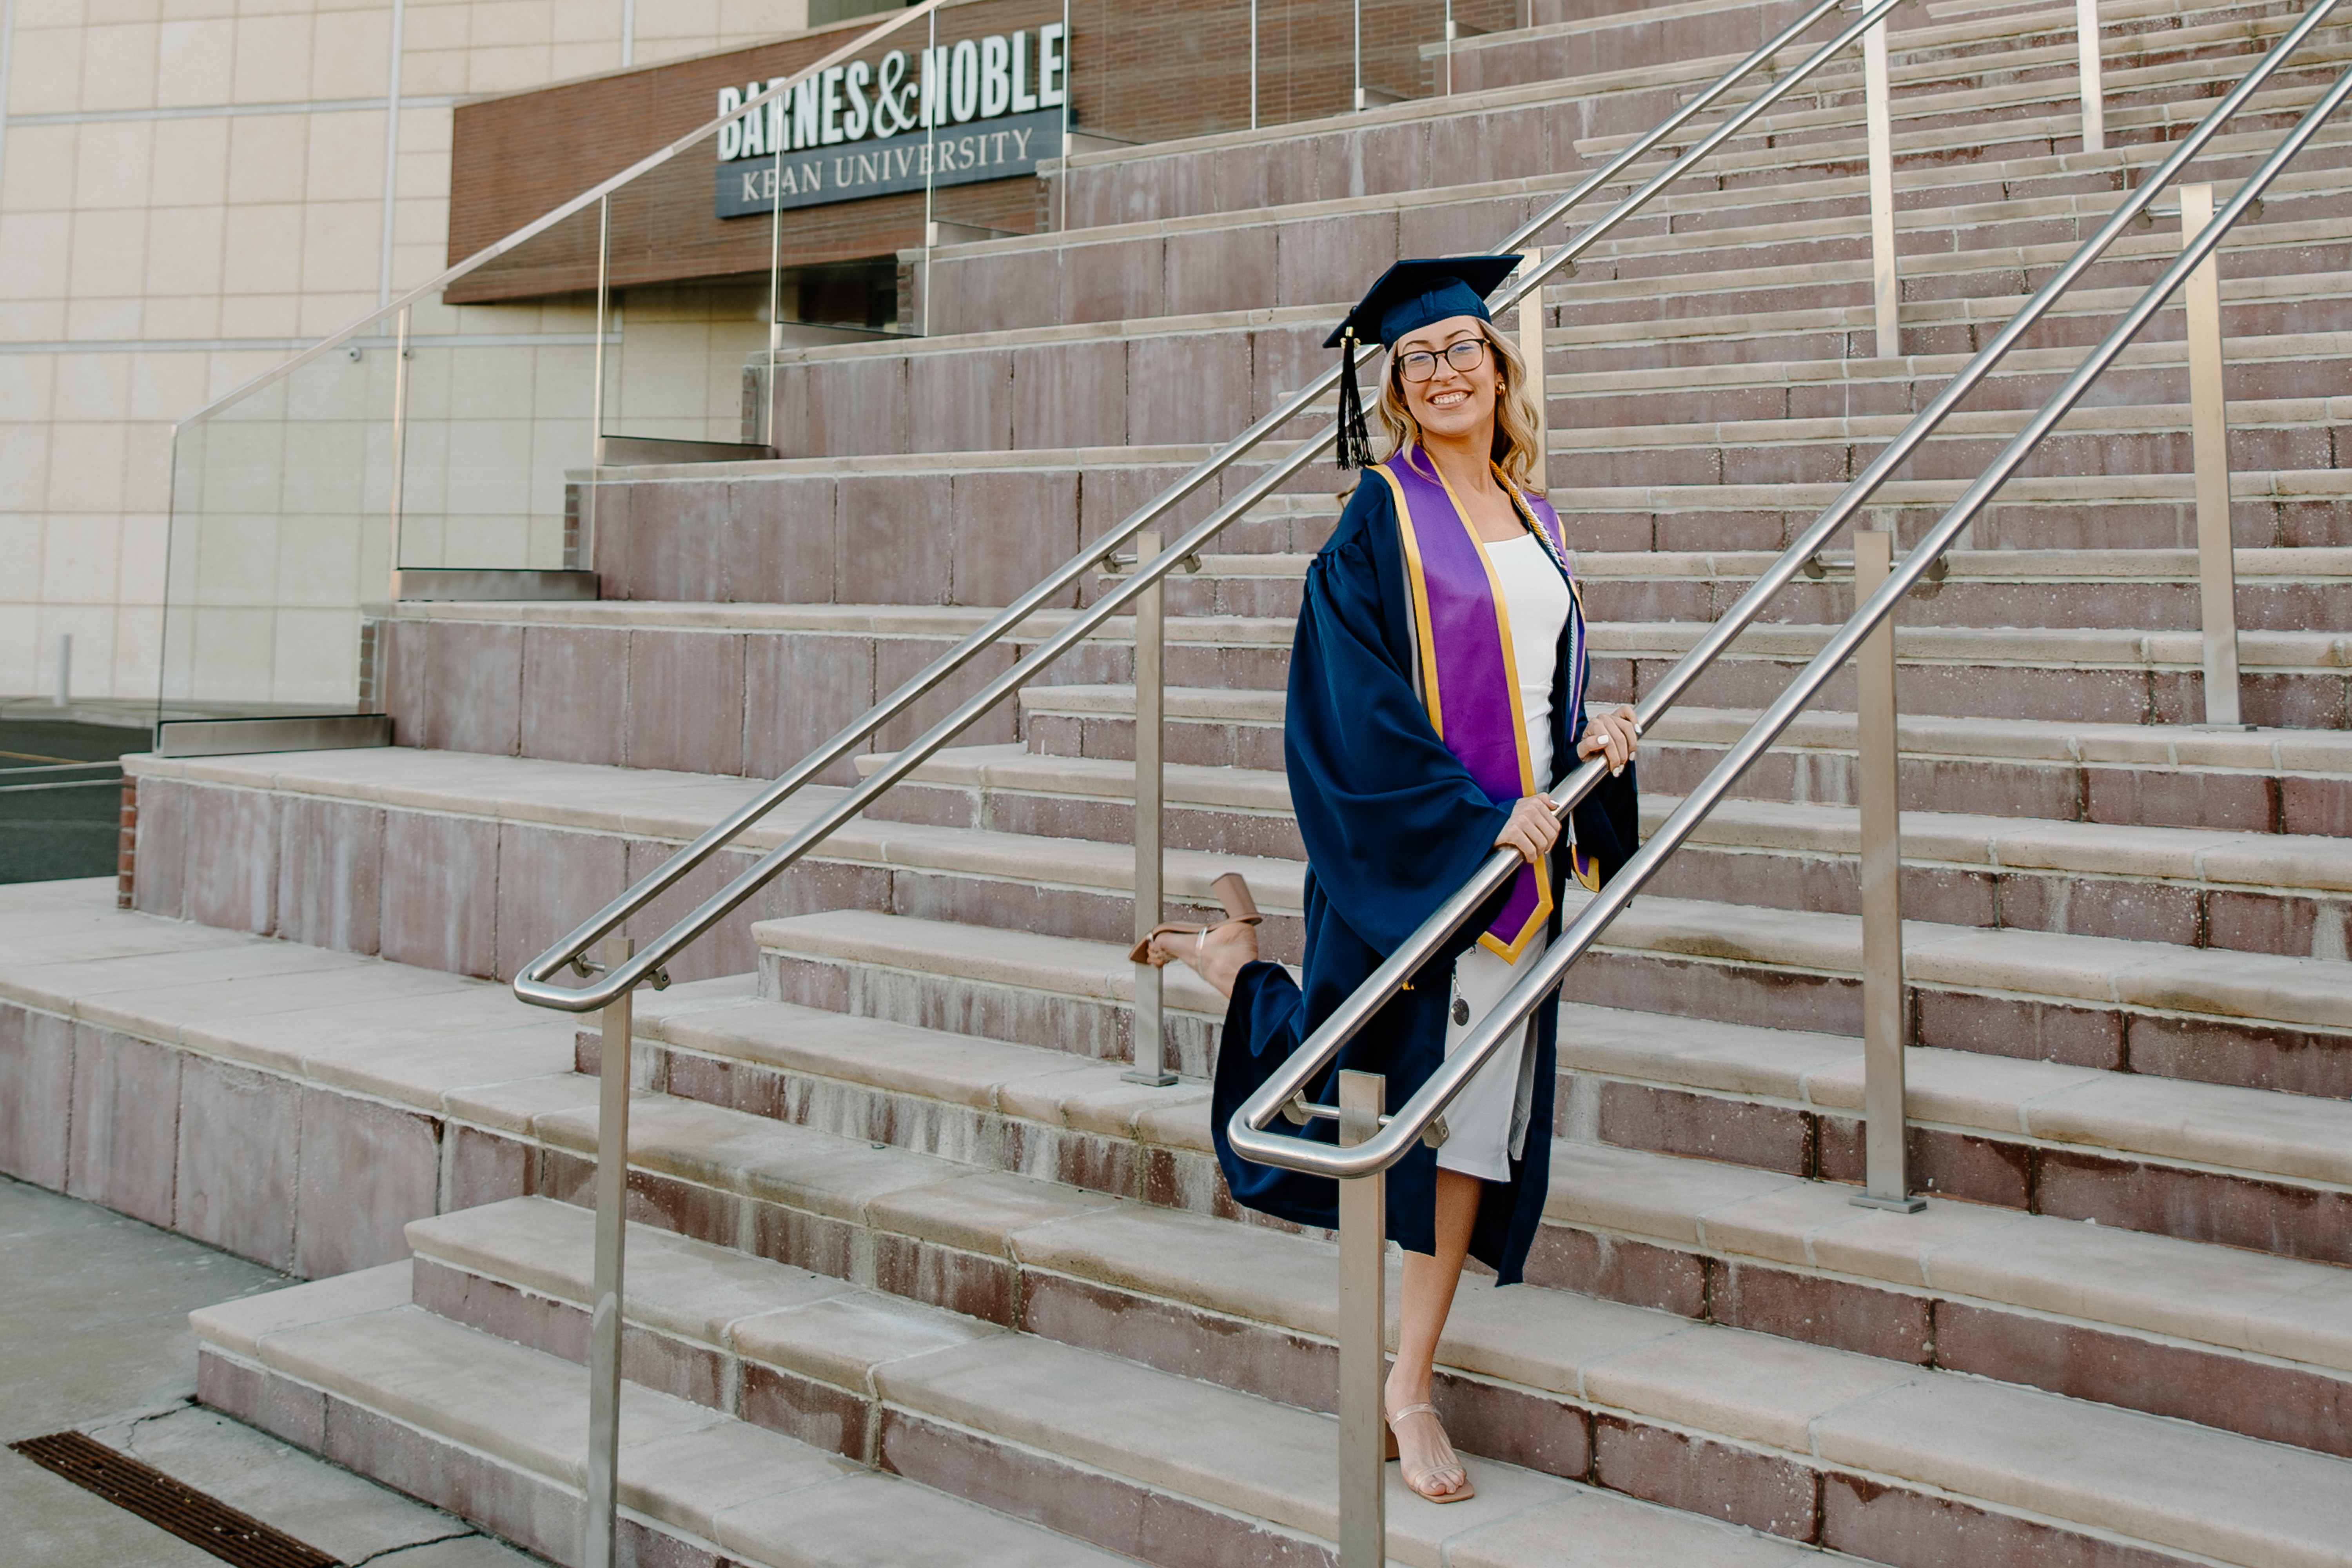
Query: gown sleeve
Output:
(1393,822)
(1609,820)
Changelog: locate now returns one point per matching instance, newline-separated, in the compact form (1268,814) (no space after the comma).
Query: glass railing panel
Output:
(501,378)
(282,528)
(677,350)
(1301,59)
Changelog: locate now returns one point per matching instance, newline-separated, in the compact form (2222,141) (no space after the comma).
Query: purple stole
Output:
(1468,679)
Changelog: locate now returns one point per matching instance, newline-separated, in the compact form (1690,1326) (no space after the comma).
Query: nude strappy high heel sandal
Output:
(1232,895)
(1462,1493)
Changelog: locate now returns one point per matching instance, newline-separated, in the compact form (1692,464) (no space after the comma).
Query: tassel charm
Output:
(1355,442)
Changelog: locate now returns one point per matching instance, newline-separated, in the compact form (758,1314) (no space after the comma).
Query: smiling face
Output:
(1452,402)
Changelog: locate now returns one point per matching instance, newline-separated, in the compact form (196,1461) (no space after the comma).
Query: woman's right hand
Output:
(1531,830)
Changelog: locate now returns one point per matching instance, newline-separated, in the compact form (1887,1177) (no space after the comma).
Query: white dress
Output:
(1487,1125)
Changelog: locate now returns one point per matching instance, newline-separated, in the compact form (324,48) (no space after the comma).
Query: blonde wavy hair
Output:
(1515,452)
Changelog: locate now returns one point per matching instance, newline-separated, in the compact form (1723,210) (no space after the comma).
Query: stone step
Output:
(2275,365)
(976,813)
(1761,317)
(1144,376)
(2155,775)
(1551,47)
(498,1433)
(2148,103)
(1406,146)
(338,1055)
(447,1061)
(2252,892)
(2067,674)
(943,526)
(2086,674)
(1016,987)
(2126,519)
(2145,1322)
(2257,1021)
(1202,726)
(1008,789)
(1714,247)
(2145,1155)
(2249,893)
(1310,254)
(1013,986)
(1807,305)
(338,1097)
(1776,1434)
(2293,782)
(350,849)
(1030,1425)
(2151,1158)
(2134,438)
(1762,265)
(1028,1107)
(358,851)
(2151,590)
(963,844)
(737,689)
(1289,260)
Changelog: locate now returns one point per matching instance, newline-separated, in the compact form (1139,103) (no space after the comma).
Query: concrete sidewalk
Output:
(94,1335)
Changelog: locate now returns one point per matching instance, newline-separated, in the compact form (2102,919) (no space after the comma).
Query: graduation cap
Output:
(1408,297)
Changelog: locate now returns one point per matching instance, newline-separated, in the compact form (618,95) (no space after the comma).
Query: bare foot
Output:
(1216,955)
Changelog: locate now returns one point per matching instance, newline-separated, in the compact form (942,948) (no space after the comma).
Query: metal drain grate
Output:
(143,1490)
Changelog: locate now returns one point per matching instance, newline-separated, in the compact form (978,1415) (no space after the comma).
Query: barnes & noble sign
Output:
(981,109)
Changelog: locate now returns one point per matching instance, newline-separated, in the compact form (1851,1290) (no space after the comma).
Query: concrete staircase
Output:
(907,1241)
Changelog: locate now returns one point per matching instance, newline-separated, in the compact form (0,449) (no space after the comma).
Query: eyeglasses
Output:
(1464,356)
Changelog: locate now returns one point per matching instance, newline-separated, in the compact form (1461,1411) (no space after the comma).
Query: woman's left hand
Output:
(1613,734)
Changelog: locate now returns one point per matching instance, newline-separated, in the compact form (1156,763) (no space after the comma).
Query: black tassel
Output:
(1355,442)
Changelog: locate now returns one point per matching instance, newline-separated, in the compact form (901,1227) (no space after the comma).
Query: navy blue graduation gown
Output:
(1393,825)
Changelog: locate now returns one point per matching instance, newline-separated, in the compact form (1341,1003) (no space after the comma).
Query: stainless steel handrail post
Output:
(2209,429)
(1531,349)
(1150,1032)
(1252,64)
(1363,1334)
(1887,1177)
(2086,54)
(596,391)
(1886,292)
(397,499)
(600,1518)
(1247,1128)
(1358,103)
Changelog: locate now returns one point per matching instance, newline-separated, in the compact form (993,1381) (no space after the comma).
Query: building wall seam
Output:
(392,153)
(220,110)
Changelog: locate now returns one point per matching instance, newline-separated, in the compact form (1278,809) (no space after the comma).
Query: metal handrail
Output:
(534,983)
(548,220)
(1280,1094)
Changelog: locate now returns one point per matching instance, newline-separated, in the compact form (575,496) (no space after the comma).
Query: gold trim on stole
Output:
(1418,583)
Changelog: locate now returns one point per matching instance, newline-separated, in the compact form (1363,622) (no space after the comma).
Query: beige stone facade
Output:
(189,190)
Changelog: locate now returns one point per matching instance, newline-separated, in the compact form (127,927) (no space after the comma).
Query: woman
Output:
(1437,677)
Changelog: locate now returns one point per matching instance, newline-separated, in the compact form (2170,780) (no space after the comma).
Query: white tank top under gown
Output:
(1487,1125)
